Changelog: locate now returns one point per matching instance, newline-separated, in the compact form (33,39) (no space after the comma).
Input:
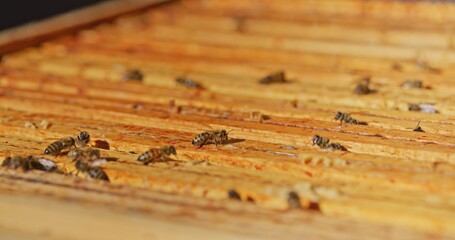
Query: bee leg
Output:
(309,142)
(341,122)
(218,143)
(203,143)
(76,174)
(63,171)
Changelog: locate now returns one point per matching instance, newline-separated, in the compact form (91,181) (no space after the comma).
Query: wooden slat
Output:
(387,11)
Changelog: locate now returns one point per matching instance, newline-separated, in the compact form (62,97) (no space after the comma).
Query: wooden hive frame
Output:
(391,182)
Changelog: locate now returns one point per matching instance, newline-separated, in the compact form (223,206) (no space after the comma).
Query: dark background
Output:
(17,12)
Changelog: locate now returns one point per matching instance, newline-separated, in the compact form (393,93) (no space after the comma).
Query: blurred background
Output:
(18,12)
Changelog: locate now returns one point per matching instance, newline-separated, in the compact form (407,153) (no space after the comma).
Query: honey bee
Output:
(425,66)
(418,128)
(82,139)
(294,200)
(397,67)
(43,164)
(216,137)
(258,116)
(87,154)
(137,106)
(363,87)
(30,125)
(188,83)
(422,107)
(408,84)
(324,143)
(173,108)
(31,163)
(232,194)
(56,147)
(133,74)
(45,124)
(294,103)
(277,77)
(91,169)
(16,162)
(88,161)
(345,117)
(414,107)
(288,147)
(156,154)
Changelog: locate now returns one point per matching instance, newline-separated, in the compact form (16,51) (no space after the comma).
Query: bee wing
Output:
(205,125)
(51,139)
(47,164)
(98,162)
(427,108)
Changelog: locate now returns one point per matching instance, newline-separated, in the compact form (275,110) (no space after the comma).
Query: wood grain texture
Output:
(391,182)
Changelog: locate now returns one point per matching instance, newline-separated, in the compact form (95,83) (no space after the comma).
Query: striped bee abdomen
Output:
(54,148)
(97,173)
(345,117)
(144,157)
(203,138)
(150,156)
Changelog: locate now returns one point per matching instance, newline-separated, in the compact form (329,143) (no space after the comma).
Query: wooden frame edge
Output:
(36,32)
